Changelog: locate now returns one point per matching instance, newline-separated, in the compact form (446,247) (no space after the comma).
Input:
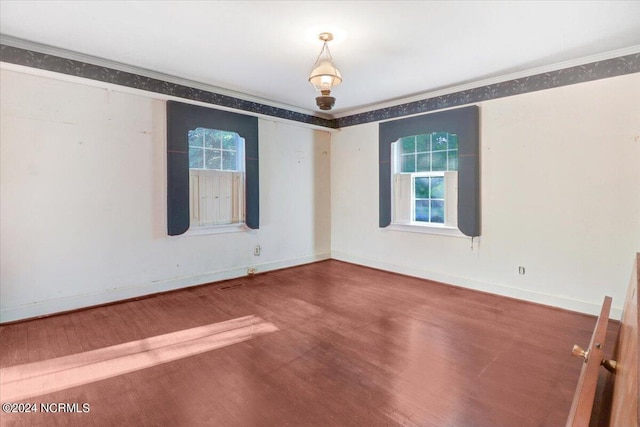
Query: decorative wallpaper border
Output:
(72,67)
(578,74)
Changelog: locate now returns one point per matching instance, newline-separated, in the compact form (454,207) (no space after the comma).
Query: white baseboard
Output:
(43,308)
(587,307)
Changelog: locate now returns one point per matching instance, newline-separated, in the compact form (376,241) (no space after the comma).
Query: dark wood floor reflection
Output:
(354,347)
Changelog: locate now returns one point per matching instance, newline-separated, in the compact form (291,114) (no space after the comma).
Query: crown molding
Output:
(47,51)
(475,84)
(616,66)
(37,56)
(89,59)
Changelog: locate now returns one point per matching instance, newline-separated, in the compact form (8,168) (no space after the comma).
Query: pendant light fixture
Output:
(325,75)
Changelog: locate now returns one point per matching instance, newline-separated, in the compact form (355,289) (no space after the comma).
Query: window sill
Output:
(216,229)
(442,230)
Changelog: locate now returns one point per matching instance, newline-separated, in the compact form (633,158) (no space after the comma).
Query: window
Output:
(429,171)
(216,177)
(212,168)
(425,179)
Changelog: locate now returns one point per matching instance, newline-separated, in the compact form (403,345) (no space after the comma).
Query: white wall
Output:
(560,174)
(83,200)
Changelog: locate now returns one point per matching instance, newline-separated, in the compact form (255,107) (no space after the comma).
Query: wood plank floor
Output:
(354,347)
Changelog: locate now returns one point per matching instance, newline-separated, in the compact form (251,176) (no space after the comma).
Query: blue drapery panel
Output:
(465,122)
(180,119)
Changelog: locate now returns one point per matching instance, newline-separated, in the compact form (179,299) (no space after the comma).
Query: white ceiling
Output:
(390,50)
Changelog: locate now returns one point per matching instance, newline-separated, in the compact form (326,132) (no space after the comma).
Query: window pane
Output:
(422,210)
(437,211)
(423,143)
(195,138)
(423,162)
(437,187)
(439,141)
(434,152)
(211,138)
(230,140)
(453,141)
(453,160)
(195,158)
(409,163)
(212,160)
(408,144)
(229,160)
(439,161)
(421,187)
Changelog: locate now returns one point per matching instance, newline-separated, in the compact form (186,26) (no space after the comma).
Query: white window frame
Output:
(400,221)
(199,176)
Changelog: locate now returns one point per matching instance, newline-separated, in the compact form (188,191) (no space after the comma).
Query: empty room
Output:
(319,213)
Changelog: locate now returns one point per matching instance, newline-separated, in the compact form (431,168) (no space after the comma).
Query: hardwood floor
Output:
(353,347)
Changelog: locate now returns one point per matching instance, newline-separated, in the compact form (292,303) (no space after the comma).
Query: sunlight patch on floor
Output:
(32,379)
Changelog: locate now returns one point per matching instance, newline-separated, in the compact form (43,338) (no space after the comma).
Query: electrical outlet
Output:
(256,250)
(521,270)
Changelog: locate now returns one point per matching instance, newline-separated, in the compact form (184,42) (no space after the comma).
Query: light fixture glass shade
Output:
(324,74)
